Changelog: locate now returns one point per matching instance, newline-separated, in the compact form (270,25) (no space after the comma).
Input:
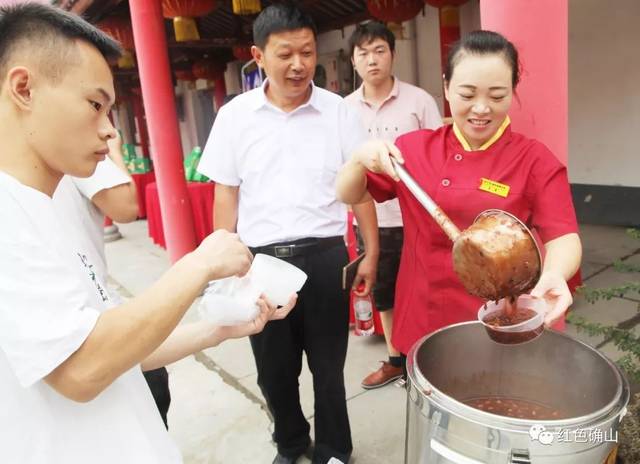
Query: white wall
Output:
(405,66)
(428,53)
(429,69)
(188,135)
(332,41)
(232,81)
(121,119)
(604,92)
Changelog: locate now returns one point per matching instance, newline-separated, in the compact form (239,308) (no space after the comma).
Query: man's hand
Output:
(375,155)
(367,270)
(268,312)
(224,255)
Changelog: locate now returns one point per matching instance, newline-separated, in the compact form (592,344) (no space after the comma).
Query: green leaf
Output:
(621,266)
(624,340)
(594,294)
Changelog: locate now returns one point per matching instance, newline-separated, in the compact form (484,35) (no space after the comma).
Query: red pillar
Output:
(449,33)
(158,96)
(219,92)
(539,29)
(138,114)
(543,110)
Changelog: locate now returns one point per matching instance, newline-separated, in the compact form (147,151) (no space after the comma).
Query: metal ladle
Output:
(495,257)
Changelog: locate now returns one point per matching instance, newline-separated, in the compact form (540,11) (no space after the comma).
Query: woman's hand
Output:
(375,155)
(553,288)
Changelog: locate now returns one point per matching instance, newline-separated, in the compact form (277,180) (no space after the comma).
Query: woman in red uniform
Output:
(475,164)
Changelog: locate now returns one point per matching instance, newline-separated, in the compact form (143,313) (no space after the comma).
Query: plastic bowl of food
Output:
(521,323)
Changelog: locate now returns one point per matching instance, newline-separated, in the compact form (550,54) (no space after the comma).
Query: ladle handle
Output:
(425,200)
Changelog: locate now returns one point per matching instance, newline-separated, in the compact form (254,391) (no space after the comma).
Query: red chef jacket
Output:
(429,295)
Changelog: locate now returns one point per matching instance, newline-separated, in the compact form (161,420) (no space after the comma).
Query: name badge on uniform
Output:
(494,187)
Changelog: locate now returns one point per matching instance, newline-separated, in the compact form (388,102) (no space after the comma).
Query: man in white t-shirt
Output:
(274,153)
(83,204)
(71,384)
(388,108)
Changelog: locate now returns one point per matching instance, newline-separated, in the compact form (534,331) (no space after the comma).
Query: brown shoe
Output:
(386,374)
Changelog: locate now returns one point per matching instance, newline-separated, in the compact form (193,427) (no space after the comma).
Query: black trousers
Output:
(158,381)
(319,326)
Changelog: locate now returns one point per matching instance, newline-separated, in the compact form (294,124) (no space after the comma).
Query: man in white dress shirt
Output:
(71,384)
(274,153)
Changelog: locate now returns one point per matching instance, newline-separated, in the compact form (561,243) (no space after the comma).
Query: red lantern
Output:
(187,8)
(185,75)
(119,28)
(207,69)
(242,52)
(246,7)
(183,12)
(394,11)
(441,3)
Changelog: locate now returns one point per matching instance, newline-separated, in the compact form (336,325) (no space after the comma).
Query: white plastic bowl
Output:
(517,333)
(278,279)
(234,300)
(230,301)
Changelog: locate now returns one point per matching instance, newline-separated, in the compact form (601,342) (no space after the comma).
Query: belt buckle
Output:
(285,251)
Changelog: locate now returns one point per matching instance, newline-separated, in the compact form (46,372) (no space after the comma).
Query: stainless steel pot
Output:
(460,362)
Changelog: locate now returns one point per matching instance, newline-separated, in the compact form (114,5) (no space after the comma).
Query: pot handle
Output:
(451,455)
(516,456)
(519,456)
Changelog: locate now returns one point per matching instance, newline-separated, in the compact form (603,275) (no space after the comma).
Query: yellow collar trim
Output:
(488,143)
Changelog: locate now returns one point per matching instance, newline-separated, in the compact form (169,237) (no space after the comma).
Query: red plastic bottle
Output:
(363,308)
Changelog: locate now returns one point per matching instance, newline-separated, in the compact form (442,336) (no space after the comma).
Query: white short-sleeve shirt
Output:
(407,108)
(72,199)
(50,300)
(285,164)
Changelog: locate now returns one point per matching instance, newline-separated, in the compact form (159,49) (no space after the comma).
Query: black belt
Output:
(298,247)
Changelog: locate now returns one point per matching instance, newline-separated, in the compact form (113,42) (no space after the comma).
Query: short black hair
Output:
(280,17)
(51,31)
(483,43)
(366,32)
